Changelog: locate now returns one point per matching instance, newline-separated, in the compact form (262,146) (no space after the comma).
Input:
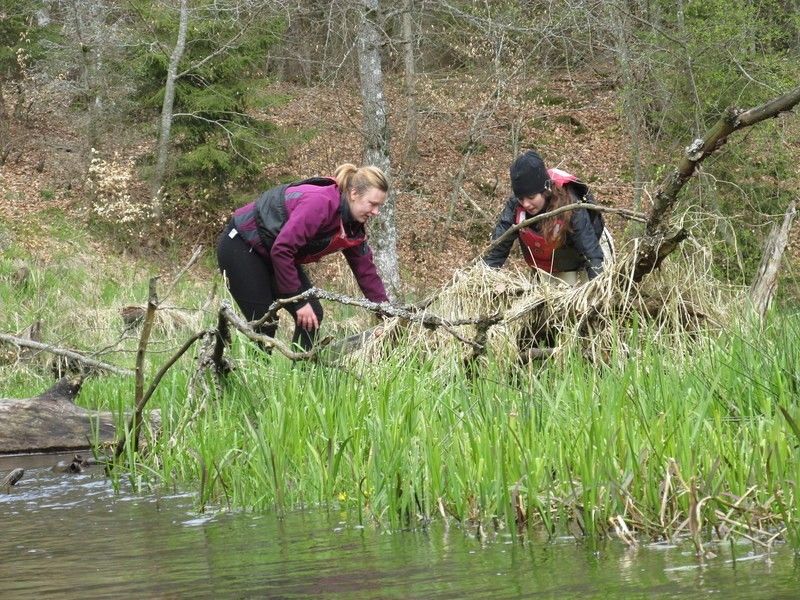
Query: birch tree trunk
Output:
(630,99)
(409,83)
(166,108)
(376,133)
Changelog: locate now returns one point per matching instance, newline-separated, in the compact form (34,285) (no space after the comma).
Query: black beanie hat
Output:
(529,175)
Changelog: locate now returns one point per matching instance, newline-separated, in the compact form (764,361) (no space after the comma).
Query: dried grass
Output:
(597,318)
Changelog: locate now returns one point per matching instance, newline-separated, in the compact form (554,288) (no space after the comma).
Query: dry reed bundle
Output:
(542,315)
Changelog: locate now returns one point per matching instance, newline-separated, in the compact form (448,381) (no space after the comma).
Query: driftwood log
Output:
(52,422)
(11,479)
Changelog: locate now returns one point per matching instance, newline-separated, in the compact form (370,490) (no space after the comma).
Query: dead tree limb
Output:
(652,250)
(71,354)
(222,339)
(628,214)
(132,430)
(385,309)
(733,120)
(766,280)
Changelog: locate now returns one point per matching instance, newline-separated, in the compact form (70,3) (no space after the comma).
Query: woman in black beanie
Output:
(561,244)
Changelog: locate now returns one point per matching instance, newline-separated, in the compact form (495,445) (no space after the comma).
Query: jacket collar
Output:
(351,227)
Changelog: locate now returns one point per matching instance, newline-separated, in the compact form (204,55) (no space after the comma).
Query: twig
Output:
(89,362)
(629,214)
(198,250)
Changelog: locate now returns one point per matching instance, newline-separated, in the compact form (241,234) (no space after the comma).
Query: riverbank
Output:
(699,447)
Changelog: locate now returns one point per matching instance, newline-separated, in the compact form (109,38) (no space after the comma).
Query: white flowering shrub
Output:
(111,183)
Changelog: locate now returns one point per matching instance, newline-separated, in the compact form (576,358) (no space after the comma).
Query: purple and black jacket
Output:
(295,223)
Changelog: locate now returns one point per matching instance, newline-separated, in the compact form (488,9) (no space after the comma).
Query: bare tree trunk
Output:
(766,281)
(87,41)
(631,106)
(412,152)
(376,132)
(166,109)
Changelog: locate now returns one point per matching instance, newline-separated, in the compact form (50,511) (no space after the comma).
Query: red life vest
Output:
(538,252)
(340,241)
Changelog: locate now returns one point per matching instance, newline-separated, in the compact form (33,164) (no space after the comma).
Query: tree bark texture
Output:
(51,422)
(409,82)
(762,291)
(376,132)
(169,101)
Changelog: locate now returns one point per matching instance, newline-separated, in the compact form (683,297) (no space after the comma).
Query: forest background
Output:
(129,131)
(143,124)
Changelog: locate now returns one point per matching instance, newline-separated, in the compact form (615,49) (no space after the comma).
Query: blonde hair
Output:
(360,179)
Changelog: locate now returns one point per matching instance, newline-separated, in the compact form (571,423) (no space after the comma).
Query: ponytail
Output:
(360,179)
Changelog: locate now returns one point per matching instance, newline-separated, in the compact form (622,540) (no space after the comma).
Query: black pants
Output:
(251,281)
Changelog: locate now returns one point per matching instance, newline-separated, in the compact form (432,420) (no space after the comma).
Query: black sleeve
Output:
(584,239)
(497,256)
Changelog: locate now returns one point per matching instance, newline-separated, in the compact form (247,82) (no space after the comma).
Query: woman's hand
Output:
(307,318)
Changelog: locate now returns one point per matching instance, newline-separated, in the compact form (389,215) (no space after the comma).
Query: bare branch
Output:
(628,214)
(71,354)
(699,149)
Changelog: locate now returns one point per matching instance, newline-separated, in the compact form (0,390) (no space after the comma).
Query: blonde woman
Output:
(262,249)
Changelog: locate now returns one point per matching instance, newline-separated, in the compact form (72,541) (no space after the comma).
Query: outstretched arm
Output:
(363,266)
(584,239)
(496,257)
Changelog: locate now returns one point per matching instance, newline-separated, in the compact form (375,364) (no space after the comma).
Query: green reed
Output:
(651,438)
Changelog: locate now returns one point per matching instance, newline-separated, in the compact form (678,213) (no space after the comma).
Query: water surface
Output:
(72,536)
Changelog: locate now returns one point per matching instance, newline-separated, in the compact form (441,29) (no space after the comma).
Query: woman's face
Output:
(366,204)
(533,204)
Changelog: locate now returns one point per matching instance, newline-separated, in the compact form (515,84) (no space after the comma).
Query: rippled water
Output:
(67,536)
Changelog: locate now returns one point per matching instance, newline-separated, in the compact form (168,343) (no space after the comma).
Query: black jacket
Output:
(581,249)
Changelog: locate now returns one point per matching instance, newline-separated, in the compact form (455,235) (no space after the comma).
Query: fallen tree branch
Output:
(732,120)
(628,214)
(385,309)
(71,354)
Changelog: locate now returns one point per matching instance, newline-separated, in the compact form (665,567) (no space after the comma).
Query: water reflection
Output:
(73,537)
